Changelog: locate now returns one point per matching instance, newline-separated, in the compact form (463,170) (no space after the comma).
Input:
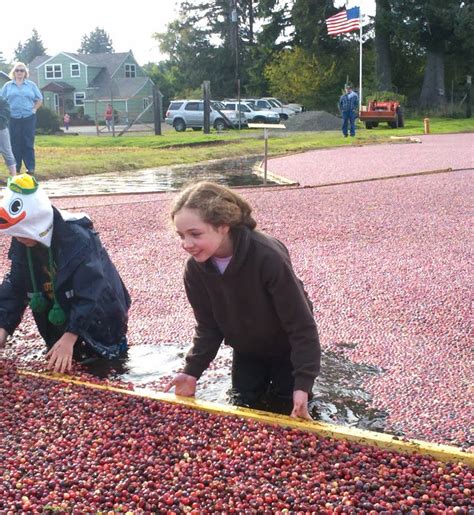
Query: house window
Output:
(130,71)
(146,102)
(79,99)
(54,71)
(75,70)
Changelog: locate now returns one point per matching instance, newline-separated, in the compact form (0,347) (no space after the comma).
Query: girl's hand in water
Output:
(300,405)
(184,384)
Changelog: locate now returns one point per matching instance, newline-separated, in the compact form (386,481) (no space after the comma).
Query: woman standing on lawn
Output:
(25,99)
(243,289)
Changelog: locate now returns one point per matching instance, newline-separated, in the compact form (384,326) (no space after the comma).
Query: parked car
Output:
(284,112)
(230,113)
(297,108)
(253,115)
(182,114)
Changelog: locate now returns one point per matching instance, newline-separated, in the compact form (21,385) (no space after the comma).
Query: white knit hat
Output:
(26,211)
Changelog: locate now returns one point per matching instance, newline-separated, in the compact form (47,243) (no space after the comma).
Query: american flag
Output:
(344,21)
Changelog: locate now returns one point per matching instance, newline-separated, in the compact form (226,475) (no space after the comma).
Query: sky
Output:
(61,25)
(130,25)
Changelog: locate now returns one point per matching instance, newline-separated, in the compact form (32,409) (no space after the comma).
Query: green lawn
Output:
(64,156)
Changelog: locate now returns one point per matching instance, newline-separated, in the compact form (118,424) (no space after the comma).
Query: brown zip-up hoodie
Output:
(258,306)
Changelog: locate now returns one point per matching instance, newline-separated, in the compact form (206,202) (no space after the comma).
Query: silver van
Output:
(182,114)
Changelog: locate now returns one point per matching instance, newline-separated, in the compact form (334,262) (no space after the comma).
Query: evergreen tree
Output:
(97,42)
(32,48)
(383,62)
(430,26)
(274,20)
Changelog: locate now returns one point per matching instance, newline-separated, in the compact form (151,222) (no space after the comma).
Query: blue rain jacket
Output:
(87,287)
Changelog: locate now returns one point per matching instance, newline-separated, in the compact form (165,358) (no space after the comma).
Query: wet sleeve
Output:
(13,298)
(207,335)
(293,309)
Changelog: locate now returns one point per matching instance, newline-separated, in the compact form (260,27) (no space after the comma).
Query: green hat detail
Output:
(38,303)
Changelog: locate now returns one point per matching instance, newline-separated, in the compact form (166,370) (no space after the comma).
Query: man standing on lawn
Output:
(349,105)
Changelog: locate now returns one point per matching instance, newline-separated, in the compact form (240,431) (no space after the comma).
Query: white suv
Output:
(182,114)
(284,112)
(297,108)
(251,114)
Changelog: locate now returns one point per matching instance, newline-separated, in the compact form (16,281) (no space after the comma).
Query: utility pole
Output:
(234,26)
(234,19)
(206,95)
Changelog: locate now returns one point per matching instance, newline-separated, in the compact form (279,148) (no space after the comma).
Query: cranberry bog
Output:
(386,264)
(74,449)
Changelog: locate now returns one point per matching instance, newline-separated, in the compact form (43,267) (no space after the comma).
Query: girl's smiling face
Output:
(200,239)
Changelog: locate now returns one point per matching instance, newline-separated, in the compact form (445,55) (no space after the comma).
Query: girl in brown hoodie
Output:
(243,291)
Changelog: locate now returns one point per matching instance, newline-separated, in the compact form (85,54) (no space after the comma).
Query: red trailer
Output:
(377,111)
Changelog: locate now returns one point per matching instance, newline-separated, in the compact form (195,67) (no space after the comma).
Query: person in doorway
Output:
(25,99)
(66,121)
(243,289)
(109,115)
(5,145)
(61,270)
(349,106)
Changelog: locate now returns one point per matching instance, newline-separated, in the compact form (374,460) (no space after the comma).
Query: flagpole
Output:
(360,56)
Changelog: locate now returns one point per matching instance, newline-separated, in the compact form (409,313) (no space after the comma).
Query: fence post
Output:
(468,96)
(157,110)
(96,118)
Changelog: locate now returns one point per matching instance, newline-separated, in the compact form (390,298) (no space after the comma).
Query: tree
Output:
(383,63)
(199,47)
(189,55)
(430,26)
(32,48)
(97,42)
(307,80)
(274,21)
(164,76)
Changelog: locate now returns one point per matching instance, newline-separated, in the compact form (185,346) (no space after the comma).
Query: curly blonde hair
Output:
(217,205)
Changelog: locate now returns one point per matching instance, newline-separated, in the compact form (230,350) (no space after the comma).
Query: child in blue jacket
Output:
(61,270)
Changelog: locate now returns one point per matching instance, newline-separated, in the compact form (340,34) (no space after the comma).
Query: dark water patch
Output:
(231,172)
(338,394)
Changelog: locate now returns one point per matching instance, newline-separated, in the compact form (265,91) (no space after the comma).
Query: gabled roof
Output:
(105,60)
(111,62)
(118,88)
(104,84)
(38,61)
